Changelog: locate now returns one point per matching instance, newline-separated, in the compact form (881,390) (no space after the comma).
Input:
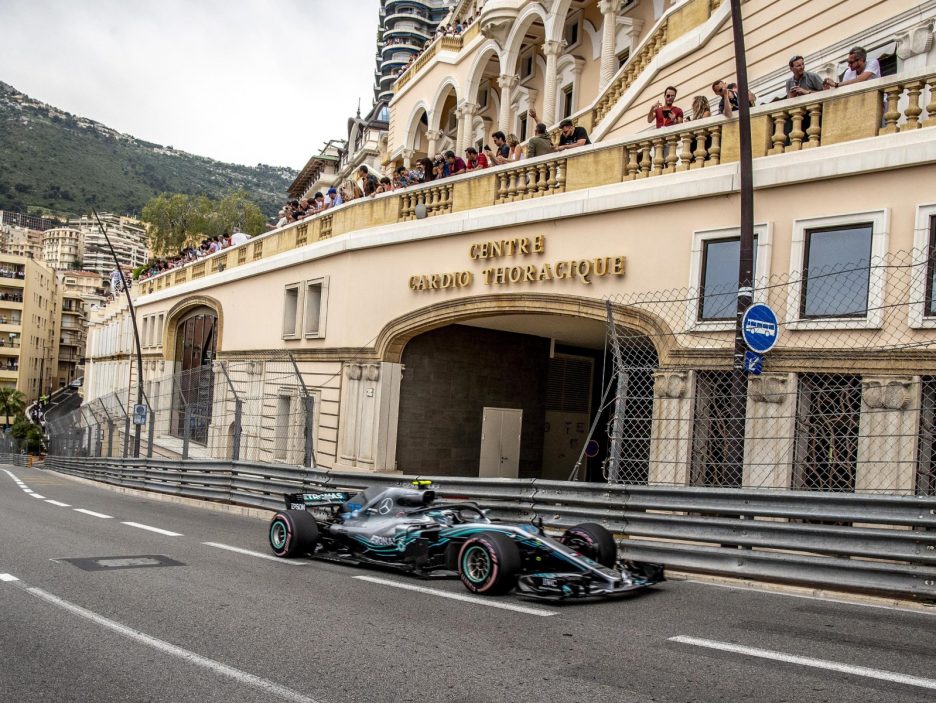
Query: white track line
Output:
(92,513)
(28,490)
(259,555)
(214,666)
(878,674)
(36,495)
(477,600)
(152,529)
(55,502)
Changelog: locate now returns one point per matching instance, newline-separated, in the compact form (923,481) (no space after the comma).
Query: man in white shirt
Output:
(859,69)
(239,238)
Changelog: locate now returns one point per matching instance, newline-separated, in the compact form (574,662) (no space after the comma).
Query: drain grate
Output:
(144,561)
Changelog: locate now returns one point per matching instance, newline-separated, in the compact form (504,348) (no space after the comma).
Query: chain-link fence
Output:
(846,401)
(255,410)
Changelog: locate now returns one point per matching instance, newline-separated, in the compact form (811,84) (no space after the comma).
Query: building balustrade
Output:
(531,180)
(900,103)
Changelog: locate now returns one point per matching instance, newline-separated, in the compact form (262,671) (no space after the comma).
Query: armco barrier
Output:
(14,459)
(838,541)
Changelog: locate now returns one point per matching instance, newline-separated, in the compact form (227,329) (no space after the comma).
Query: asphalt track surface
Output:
(229,623)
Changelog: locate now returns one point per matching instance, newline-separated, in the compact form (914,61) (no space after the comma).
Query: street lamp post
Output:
(136,331)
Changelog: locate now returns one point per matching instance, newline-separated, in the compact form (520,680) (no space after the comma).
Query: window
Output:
(159,331)
(922,303)
(290,311)
(837,270)
(316,303)
(837,280)
(623,57)
(718,292)
(571,33)
(524,118)
(713,272)
(527,62)
(930,307)
(567,101)
(826,435)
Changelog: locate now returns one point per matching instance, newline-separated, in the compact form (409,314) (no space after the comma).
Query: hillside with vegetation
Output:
(59,163)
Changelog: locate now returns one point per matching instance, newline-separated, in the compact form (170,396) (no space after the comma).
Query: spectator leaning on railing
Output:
(859,69)
(666,113)
(571,136)
(802,82)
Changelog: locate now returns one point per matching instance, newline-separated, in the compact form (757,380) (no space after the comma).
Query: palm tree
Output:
(12,404)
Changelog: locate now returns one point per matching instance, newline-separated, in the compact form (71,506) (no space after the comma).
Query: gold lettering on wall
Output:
(580,270)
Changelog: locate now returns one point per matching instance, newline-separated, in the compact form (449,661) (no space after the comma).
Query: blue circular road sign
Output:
(759,328)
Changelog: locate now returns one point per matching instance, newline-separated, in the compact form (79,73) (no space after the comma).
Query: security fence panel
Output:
(845,401)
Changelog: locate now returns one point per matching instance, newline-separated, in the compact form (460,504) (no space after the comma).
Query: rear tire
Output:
(593,541)
(488,564)
(292,533)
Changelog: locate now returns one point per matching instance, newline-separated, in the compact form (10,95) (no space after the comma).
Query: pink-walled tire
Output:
(593,541)
(488,564)
(292,533)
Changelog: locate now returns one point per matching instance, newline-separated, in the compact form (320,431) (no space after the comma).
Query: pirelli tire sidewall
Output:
(489,563)
(292,533)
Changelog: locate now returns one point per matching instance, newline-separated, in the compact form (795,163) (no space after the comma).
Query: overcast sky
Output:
(244,81)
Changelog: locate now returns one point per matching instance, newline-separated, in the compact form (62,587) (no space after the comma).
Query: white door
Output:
(500,443)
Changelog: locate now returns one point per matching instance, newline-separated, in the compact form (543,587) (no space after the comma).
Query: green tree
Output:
(12,404)
(177,219)
(27,435)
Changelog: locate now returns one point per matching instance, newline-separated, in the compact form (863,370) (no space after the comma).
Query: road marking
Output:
(259,555)
(55,502)
(152,529)
(166,647)
(879,674)
(28,490)
(92,513)
(477,600)
(36,495)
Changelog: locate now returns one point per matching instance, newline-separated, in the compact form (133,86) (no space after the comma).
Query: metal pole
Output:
(308,459)
(136,331)
(238,415)
(738,400)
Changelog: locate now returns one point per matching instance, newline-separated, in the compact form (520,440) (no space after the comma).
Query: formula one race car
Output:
(409,530)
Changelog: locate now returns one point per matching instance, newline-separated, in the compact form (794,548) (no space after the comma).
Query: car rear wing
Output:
(299,501)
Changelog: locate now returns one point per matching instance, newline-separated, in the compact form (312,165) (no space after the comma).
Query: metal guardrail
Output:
(847,542)
(13,459)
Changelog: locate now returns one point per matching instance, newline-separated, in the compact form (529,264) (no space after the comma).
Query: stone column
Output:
(433,137)
(551,50)
(408,158)
(468,112)
(887,433)
(506,83)
(670,431)
(459,115)
(769,431)
(609,11)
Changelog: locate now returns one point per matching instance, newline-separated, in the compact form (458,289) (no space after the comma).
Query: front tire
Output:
(488,564)
(593,541)
(292,533)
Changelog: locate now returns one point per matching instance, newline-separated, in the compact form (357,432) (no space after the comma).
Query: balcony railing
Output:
(443,43)
(853,113)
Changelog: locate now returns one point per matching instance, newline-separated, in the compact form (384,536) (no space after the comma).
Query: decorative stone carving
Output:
(918,40)
(887,395)
(767,389)
(354,372)
(372,372)
(670,384)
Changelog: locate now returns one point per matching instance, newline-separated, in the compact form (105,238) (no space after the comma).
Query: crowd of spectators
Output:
(188,254)
(801,82)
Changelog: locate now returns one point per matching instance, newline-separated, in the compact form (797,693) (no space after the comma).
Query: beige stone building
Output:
(445,324)
(62,248)
(127,235)
(18,240)
(28,323)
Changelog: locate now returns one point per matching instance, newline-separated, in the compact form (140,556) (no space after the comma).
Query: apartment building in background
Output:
(28,324)
(62,248)
(404,29)
(127,235)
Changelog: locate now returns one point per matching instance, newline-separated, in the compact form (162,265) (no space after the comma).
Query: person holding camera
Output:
(666,114)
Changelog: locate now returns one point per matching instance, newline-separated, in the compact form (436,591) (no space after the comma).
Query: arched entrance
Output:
(533,370)
(195,347)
